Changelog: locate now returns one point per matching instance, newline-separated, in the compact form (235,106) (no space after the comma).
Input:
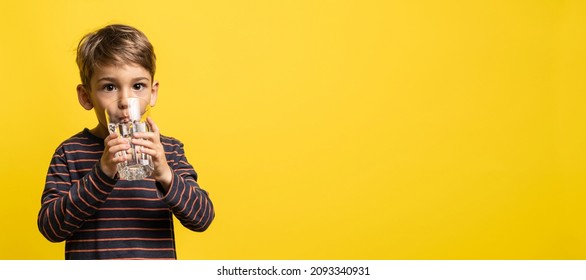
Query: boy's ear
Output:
(154,93)
(84,97)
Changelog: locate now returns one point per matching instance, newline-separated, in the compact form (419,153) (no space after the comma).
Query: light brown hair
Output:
(114,44)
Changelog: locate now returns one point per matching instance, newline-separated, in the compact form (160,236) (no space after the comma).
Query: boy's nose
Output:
(123,96)
(123,103)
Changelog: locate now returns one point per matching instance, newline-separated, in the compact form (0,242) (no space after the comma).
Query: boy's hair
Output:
(114,44)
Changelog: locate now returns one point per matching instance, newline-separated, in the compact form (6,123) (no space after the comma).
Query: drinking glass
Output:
(125,117)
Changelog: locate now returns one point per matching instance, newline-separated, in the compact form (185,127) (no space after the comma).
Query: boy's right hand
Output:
(113,144)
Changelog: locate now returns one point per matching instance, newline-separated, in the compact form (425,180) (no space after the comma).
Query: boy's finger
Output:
(141,142)
(119,148)
(110,137)
(117,141)
(154,127)
(144,135)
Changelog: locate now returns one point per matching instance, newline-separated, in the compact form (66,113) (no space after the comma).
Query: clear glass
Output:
(126,117)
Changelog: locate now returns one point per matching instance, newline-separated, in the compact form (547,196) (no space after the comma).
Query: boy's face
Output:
(114,82)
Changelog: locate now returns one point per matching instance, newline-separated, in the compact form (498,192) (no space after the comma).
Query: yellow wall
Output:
(330,129)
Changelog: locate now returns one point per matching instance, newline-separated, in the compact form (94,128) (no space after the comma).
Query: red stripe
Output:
(72,215)
(57,220)
(172,187)
(133,199)
(185,189)
(199,209)
(81,144)
(74,205)
(119,239)
(96,186)
(51,223)
(184,169)
(90,193)
(122,229)
(208,216)
(130,209)
(127,219)
(170,145)
(56,173)
(188,198)
(102,180)
(136,189)
(142,258)
(193,206)
(119,249)
(83,152)
(81,170)
(83,200)
(58,183)
(83,160)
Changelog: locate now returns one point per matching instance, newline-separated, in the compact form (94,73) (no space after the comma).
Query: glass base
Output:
(135,172)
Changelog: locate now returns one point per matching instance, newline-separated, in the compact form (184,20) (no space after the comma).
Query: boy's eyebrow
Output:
(106,79)
(141,78)
(112,79)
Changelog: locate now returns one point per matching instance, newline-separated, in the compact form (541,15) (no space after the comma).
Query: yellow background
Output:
(329,129)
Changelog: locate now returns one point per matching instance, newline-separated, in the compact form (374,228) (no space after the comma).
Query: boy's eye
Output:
(109,87)
(139,86)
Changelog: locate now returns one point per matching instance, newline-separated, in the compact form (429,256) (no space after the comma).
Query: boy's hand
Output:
(109,160)
(151,145)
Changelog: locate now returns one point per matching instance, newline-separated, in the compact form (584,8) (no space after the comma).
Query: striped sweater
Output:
(104,218)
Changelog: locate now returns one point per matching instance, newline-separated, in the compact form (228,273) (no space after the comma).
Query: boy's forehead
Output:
(120,71)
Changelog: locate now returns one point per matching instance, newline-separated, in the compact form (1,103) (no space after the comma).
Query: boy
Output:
(84,202)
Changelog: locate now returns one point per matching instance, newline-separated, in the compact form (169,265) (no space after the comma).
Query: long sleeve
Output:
(104,218)
(68,202)
(188,202)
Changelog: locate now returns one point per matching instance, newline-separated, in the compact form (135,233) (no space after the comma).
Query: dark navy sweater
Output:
(104,218)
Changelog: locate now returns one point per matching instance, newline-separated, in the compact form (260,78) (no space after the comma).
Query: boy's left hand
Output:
(151,145)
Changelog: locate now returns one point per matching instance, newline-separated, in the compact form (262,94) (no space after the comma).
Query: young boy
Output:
(84,202)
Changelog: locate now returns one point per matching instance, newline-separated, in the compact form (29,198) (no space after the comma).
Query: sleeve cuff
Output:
(172,193)
(105,178)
